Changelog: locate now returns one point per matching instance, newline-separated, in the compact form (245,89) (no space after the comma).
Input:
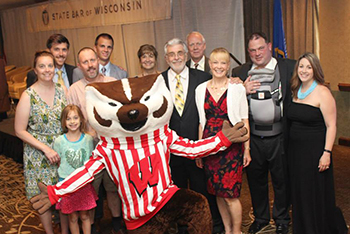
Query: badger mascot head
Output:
(129,107)
(131,118)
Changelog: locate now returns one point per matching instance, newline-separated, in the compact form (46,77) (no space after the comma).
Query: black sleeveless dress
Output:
(313,198)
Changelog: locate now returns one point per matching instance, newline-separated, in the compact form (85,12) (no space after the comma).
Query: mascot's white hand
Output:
(41,202)
(235,134)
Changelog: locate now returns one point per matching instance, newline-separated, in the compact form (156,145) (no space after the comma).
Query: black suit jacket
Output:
(286,68)
(31,76)
(206,64)
(187,124)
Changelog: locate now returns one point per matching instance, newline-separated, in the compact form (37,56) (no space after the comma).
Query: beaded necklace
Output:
(302,95)
(218,90)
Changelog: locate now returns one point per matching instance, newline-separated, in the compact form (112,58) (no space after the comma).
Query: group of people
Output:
(289,113)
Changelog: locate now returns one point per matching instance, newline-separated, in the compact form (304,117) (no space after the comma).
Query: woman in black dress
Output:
(312,116)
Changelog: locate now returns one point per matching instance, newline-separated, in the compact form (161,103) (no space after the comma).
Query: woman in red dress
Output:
(218,100)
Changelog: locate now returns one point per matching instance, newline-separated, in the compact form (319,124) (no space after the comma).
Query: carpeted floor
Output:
(17,216)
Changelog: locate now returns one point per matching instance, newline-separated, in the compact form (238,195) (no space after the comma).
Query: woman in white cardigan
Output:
(218,100)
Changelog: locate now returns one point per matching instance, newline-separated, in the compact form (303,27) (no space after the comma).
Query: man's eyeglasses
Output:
(178,54)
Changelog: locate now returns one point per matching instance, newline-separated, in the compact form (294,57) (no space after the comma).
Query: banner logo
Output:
(45,17)
(66,14)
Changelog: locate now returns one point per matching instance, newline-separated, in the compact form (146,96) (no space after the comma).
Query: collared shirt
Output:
(76,96)
(108,68)
(184,81)
(270,65)
(201,64)
(64,76)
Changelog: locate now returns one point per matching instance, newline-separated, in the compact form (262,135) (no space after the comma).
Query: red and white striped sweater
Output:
(139,166)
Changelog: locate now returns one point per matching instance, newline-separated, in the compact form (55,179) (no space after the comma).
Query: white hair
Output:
(175,41)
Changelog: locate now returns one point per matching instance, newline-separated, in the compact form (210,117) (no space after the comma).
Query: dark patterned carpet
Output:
(17,216)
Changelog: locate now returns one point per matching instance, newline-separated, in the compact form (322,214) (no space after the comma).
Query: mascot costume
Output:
(131,119)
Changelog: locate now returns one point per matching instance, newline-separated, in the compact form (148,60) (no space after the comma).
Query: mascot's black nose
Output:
(133,114)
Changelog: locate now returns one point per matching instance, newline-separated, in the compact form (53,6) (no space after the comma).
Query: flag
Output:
(279,41)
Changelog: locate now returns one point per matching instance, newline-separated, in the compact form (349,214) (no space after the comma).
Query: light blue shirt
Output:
(73,154)
(108,69)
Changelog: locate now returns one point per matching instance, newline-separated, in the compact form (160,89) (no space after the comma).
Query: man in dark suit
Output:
(267,141)
(104,47)
(196,46)
(184,171)
(58,45)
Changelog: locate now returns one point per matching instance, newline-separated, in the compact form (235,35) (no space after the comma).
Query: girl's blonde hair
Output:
(64,115)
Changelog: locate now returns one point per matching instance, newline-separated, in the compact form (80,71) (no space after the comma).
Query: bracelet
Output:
(328,151)
(248,148)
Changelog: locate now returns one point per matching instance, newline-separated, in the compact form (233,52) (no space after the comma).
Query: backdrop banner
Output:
(221,24)
(87,13)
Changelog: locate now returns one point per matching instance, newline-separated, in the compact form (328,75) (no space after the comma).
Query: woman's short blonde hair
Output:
(220,53)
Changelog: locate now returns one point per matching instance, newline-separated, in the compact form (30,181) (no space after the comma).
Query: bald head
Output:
(196,46)
(88,62)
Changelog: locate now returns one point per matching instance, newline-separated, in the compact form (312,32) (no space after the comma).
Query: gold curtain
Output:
(300,20)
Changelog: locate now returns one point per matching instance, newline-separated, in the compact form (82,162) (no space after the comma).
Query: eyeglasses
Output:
(178,54)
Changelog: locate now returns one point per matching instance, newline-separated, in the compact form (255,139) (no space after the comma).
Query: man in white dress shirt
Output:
(184,172)
(196,47)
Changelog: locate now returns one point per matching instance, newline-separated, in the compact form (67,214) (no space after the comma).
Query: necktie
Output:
(103,70)
(60,78)
(196,66)
(179,96)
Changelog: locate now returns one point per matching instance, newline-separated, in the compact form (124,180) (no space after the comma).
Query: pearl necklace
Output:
(302,95)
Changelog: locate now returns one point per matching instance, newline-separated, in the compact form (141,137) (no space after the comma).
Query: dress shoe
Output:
(256,227)
(282,228)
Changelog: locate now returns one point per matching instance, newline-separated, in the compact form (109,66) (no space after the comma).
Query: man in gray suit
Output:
(104,47)
(196,47)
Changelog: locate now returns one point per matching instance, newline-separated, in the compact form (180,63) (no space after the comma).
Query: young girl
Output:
(75,147)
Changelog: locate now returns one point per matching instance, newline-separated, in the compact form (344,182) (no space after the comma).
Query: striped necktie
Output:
(60,78)
(179,96)
(196,66)
(103,70)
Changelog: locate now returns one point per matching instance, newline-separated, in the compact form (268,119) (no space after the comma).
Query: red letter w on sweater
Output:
(145,172)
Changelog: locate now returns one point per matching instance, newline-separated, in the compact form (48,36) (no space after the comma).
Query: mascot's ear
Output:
(113,90)
(138,89)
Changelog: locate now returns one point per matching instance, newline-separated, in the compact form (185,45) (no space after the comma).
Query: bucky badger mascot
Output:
(131,118)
